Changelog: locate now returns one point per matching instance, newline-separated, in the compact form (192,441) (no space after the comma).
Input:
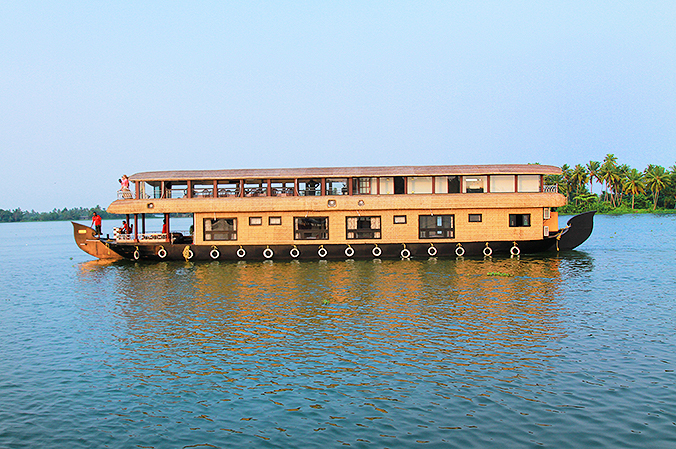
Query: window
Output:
(400,219)
(475,184)
(362,227)
(311,228)
(529,183)
(519,220)
(274,221)
(474,218)
(255,221)
(220,229)
(419,184)
(282,187)
(502,183)
(364,186)
(309,187)
(454,184)
(436,226)
(336,186)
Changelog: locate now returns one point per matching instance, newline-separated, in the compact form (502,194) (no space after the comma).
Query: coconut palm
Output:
(579,177)
(566,174)
(608,174)
(593,169)
(656,180)
(634,184)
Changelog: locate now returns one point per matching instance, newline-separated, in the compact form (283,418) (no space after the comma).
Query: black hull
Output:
(578,230)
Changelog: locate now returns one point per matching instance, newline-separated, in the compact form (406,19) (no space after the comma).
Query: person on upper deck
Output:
(126,228)
(124,187)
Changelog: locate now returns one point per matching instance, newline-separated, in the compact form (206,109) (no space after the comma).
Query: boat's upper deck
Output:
(336,181)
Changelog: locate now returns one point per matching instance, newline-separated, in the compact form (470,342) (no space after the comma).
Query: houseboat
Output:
(341,213)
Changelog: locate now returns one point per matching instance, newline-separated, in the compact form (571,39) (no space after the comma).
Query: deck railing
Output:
(551,189)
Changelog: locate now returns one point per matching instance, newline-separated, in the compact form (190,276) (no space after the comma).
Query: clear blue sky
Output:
(92,90)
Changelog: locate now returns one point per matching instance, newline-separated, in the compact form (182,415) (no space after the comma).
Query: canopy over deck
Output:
(346,172)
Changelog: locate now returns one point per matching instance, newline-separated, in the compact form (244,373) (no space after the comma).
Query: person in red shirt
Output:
(96,222)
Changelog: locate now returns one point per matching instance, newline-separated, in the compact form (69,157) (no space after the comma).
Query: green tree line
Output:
(624,189)
(75,214)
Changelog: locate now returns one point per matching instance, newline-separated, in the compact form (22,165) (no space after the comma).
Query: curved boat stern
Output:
(92,245)
(578,229)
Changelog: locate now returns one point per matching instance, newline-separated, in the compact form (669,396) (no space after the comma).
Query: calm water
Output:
(570,351)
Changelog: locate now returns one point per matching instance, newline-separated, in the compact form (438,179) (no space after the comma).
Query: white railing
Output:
(124,194)
(157,236)
(551,189)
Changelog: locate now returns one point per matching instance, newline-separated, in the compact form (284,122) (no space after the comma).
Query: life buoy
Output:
(349,251)
(322,252)
(376,251)
(241,252)
(187,253)
(295,253)
(162,253)
(459,251)
(432,251)
(215,253)
(515,251)
(137,254)
(405,253)
(268,253)
(487,250)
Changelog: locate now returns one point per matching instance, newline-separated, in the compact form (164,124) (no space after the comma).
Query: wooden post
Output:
(323,188)
(136,227)
(349,186)
(215,188)
(189,189)
(488,183)
(166,219)
(434,184)
(269,189)
(143,223)
(295,187)
(241,187)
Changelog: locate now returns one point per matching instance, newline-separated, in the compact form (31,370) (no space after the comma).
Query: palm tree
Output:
(593,169)
(566,174)
(634,184)
(606,172)
(579,177)
(656,180)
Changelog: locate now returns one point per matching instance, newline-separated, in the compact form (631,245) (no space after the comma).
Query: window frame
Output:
(470,216)
(432,232)
(231,232)
(363,233)
(517,220)
(321,233)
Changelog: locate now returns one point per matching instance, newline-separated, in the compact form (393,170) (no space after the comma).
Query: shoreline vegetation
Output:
(625,190)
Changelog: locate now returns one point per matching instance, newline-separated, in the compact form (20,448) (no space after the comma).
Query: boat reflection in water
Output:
(409,349)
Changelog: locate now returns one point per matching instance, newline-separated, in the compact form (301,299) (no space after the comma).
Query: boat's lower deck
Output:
(329,251)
